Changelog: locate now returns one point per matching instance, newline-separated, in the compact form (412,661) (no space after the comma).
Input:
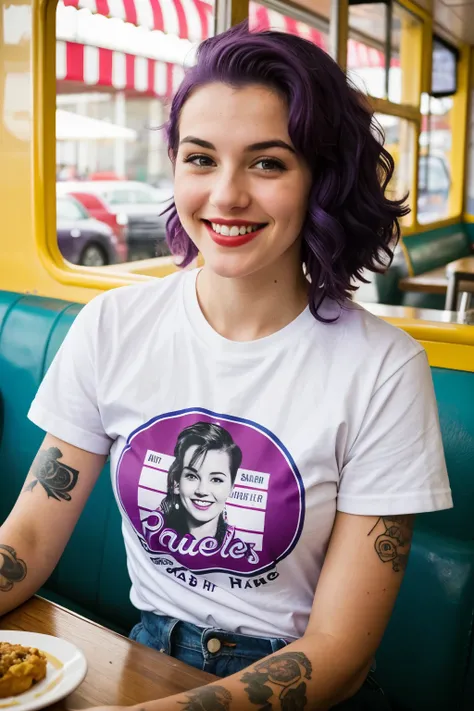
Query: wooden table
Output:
(412,313)
(460,274)
(120,672)
(433,282)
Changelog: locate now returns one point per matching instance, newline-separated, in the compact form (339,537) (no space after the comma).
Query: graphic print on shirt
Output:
(215,492)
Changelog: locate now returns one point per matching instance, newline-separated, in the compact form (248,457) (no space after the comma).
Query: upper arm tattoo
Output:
(279,680)
(208,698)
(12,569)
(392,545)
(56,478)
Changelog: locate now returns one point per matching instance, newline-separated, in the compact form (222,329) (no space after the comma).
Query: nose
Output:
(229,191)
(201,489)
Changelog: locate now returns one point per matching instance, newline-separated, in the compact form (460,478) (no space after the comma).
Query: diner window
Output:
(366,47)
(400,143)
(434,170)
(384,51)
(436,136)
(115,76)
(312,26)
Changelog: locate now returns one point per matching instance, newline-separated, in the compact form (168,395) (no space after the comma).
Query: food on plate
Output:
(20,668)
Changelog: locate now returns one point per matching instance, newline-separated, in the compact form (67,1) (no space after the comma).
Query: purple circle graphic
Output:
(242,520)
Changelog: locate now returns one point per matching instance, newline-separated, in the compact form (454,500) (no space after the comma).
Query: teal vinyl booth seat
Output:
(92,576)
(426,251)
(425,662)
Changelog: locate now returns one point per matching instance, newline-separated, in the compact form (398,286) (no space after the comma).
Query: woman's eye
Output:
(200,161)
(270,165)
(190,476)
(216,480)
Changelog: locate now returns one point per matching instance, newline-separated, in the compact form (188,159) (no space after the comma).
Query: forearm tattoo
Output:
(56,478)
(208,698)
(278,682)
(392,544)
(12,569)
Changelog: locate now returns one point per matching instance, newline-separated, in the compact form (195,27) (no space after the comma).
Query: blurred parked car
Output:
(81,238)
(141,203)
(97,208)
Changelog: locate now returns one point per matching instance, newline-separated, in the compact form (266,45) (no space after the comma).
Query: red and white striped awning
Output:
(261,18)
(96,66)
(188,19)
(359,55)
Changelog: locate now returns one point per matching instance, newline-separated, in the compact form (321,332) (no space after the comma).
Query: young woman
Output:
(280,181)
(200,481)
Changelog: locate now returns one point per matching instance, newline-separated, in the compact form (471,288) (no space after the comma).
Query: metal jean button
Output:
(213,645)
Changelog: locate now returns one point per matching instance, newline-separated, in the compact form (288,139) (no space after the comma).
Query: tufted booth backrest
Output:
(435,248)
(425,660)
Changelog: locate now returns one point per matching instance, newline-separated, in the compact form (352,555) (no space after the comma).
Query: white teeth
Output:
(233,230)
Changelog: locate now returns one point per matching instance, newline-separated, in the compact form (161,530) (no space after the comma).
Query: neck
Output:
(203,530)
(255,306)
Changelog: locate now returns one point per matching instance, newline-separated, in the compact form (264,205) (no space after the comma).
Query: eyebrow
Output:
(195,471)
(261,146)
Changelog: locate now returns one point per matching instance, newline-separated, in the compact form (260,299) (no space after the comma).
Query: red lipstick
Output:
(238,240)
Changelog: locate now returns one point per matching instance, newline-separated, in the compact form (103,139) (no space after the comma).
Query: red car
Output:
(118,222)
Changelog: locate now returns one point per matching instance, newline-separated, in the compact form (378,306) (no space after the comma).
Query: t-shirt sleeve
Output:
(66,404)
(396,464)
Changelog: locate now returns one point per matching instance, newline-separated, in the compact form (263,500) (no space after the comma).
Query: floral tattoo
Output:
(278,682)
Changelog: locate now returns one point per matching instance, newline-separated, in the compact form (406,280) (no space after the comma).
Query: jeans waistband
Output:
(168,632)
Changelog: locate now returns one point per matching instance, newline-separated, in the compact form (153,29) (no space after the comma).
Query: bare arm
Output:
(358,587)
(37,530)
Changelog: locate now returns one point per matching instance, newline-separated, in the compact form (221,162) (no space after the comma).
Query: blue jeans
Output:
(223,653)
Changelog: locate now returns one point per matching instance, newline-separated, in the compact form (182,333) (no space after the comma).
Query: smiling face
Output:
(204,487)
(241,190)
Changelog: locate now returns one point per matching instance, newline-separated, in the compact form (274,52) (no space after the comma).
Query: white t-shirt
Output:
(313,418)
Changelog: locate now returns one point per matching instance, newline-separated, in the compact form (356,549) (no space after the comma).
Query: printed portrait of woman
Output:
(200,481)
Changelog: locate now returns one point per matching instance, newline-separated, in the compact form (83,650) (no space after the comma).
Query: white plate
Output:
(66,669)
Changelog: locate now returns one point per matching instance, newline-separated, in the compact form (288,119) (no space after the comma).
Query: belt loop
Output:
(160,629)
(169,624)
(204,649)
(277,643)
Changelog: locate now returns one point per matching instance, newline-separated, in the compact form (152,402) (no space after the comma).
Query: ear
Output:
(176,488)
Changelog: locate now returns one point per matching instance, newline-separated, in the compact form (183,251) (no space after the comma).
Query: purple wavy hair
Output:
(350,225)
